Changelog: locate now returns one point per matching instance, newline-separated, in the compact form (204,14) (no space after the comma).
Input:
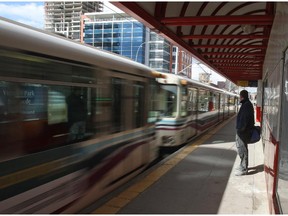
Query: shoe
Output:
(239,168)
(241,172)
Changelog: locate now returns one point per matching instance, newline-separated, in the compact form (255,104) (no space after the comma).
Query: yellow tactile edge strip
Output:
(114,205)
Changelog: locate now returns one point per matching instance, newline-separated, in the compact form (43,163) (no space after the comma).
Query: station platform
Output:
(197,179)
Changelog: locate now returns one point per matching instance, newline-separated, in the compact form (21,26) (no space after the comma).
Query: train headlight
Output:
(168,140)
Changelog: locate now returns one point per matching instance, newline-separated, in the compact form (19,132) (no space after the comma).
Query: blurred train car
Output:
(188,108)
(74,121)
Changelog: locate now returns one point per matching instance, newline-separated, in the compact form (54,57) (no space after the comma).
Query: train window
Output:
(216,101)
(211,102)
(72,110)
(36,117)
(154,113)
(225,104)
(203,101)
(57,106)
(117,107)
(83,75)
(221,101)
(208,104)
(139,104)
(232,104)
(165,101)
(22,101)
(184,100)
(20,65)
(23,115)
(192,101)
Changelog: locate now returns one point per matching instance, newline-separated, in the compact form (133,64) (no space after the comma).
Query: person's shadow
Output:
(256,169)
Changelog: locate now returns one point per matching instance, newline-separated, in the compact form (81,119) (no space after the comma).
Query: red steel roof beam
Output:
(148,20)
(225,37)
(237,73)
(234,53)
(246,58)
(251,70)
(241,70)
(219,20)
(229,46)
(237,64)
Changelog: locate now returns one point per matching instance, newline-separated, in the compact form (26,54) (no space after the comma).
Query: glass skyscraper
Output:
(117,33)
(122,34)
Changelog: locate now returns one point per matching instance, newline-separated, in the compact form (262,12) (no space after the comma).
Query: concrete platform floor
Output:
(198,179)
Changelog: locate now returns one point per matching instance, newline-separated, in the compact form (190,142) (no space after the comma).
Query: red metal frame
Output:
(205,23)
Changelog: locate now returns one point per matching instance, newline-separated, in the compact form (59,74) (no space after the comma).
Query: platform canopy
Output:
(230,37)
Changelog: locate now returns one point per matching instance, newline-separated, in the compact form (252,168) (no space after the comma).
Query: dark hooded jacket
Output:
(245,120)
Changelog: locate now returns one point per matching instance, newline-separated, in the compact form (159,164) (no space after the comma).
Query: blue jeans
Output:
(242,152)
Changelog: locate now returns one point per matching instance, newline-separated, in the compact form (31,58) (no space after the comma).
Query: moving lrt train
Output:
(77,122)
(74,121)
(187,108)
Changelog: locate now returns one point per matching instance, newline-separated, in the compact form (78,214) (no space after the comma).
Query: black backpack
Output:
(255,135)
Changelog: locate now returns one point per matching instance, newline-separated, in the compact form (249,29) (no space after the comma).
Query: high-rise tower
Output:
(64,17)
(122,34)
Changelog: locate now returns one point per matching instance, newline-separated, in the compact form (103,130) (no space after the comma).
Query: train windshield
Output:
(165,101)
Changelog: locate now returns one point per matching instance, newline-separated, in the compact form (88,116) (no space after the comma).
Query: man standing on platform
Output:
(244,125)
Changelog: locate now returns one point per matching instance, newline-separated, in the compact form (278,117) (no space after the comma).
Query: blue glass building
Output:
(122,34)
(117,33)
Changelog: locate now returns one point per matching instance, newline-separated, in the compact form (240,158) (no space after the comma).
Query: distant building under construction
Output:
(64,17)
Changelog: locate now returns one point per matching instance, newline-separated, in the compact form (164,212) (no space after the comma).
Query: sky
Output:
(32,13)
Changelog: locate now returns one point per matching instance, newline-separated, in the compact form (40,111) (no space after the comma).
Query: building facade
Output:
(119,33)
(160,51)
(182,62)
(116,33)
(64,17)
(122,34)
